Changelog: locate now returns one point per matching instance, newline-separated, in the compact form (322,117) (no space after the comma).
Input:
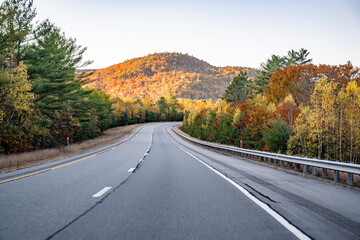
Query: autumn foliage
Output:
(306,110)
(158,74)
(300,81)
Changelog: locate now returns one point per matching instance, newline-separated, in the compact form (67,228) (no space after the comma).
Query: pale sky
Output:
(223,33)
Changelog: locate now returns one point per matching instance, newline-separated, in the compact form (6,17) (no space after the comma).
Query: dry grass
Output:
(22,160)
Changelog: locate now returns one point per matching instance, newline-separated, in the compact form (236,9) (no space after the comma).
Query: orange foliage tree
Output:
(300,81)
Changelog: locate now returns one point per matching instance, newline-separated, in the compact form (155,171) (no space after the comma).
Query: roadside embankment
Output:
(27,159)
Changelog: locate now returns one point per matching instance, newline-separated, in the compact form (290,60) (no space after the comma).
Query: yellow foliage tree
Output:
(330,127)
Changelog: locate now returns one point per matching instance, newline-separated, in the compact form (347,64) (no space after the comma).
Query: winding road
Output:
(155,185)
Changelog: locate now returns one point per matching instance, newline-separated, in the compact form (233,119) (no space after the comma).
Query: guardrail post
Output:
(350,179)
(282,163)
(305,168)
(314,171)
(336,176)
(324,172)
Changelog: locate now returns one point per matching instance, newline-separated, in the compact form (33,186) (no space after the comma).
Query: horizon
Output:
(255,68)
(191,55)
(230,33)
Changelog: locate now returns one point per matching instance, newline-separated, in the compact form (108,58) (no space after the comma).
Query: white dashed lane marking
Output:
(101,192)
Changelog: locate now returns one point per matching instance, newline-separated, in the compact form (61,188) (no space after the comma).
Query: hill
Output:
(157,74)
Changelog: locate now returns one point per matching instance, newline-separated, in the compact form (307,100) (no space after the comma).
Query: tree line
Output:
(292,106)
(132,111)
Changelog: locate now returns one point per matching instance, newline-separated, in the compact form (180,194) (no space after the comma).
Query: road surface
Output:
(155,185)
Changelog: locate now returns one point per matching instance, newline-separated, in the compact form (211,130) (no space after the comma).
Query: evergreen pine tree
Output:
(239,89)
(51,62)
(275,63)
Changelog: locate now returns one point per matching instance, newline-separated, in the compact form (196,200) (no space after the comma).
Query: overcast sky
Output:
(223,33)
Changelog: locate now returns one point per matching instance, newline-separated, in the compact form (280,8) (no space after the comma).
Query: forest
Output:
(292,107)
(288,105)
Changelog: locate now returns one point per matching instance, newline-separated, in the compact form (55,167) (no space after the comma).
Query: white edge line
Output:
(264,206)
(131,169)
(101,192)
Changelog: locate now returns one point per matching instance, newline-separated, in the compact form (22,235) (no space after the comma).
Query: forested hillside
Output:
(159,74)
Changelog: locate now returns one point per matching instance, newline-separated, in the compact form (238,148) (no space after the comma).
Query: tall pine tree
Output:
(239,89)
(275,63)
(52,60)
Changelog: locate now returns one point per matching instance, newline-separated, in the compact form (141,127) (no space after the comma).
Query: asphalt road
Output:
(155,185)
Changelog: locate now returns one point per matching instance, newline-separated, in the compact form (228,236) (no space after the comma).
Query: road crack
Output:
(261,194)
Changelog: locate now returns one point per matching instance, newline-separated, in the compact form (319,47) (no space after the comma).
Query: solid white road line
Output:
(131,169)
(264,206)
(101,192)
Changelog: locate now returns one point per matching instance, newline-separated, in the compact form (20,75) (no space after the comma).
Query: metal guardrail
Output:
(348,168)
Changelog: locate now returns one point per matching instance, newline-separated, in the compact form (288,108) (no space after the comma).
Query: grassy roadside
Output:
(27,159)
